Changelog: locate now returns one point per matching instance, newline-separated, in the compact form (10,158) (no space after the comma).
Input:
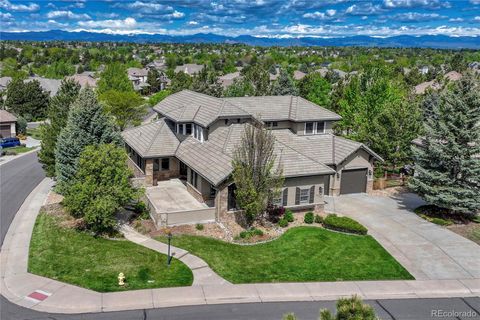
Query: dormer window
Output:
(191,129)
(317,127)
(271,124)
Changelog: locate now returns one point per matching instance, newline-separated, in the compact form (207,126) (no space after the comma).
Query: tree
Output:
(21,126)
(447,165)
(258,77)
(284,85)
(316,89)
(153,79)
(102,186)
(114,77)
(257,178)
(239,88)
(57,112)
(127,108)
(206,82)
(27,99)
(87,124)
(180,81)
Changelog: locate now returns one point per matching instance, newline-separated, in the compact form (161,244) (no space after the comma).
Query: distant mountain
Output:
(425,41)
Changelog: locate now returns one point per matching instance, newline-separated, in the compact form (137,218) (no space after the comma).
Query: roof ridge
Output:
(290,108)
(301,153)
(196,112)
(155,137)
(224,148)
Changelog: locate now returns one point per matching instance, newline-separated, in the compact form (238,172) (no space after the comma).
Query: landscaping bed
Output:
(61,252)
(300,254)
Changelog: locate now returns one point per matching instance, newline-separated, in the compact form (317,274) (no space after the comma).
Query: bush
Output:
(289,215)
(440,221)
(283,223)
(10,153)
(141,210)
(157,97)
(100,215)
(247,234)
(350,308)
(344,224)
(274,212)
(308,217)
(199,226)
(21,126)
(318,219)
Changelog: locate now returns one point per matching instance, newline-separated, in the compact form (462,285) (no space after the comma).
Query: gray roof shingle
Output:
(6,116)
(155,139)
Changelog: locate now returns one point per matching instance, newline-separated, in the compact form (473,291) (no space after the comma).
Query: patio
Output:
(170,203)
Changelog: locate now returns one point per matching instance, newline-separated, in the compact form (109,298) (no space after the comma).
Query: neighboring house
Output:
(323,71)
(298,75)
(138,77)
(4,81)
(159,64)
(227,79)
(434,85)
(196,135)
(50,85)
(453,76)
(190,68)
(85,79)
(7,124)
(424,69)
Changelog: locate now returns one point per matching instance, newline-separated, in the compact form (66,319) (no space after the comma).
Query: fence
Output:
(390,180)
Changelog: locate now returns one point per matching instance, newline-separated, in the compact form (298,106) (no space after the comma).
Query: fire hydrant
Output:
(121,279)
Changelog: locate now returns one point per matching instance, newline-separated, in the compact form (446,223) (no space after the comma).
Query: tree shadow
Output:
(408,200)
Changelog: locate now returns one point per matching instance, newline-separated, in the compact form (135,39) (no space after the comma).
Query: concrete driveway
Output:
(426,250)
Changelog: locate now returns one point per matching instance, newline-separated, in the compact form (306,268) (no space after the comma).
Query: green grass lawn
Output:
(301,254)
(19,149)
(94,263)
(34,133)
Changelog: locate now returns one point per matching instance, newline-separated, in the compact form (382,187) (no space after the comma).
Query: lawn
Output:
(94,263)
(18,149)
(34,133)
(301,254)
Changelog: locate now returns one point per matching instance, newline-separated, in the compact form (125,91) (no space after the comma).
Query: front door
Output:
(183,170)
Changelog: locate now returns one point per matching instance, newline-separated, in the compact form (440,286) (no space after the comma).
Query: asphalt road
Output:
(20,176)
(17,179)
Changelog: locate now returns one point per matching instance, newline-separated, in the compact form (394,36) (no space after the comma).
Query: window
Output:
(304,195)
(315,127)
(156,164)
(198,132)
(320,127)
(188,130)
(271,124)
(213,192)
(165,164)
(193,178)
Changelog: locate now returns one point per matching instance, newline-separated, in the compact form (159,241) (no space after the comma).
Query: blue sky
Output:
(268,18)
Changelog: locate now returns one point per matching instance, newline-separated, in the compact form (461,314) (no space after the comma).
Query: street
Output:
(17,179)
(20,176)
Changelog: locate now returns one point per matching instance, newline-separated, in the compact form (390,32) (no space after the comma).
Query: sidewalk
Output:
(44,294)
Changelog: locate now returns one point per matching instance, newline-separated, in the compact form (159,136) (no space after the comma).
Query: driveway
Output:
(426,250)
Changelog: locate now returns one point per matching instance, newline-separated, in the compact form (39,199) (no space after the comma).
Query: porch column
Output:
(149,172)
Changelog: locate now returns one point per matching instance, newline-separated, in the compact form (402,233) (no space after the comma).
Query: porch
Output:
(171,203)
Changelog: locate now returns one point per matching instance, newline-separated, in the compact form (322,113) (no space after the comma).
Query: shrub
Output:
(289,215)
(345,224)
(274,212)
(350,308)
(21,126)
(440,221)
(10,152)
(283,223)
(308,217)
(318,219)
(199,226)
(247,234)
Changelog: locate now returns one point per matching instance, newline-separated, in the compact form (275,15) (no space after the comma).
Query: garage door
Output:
(353,181)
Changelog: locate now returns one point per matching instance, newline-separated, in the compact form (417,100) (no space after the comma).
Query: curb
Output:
(20,155)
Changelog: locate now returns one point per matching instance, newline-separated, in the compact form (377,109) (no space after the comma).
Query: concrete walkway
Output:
(202,274)
(43,294)
(426,250)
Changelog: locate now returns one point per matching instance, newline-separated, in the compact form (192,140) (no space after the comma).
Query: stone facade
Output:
(195,193)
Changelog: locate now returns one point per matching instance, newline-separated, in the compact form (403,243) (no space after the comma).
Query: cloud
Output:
(6,16)
(364,9)
(328,14)
(7,5)
(417,17)
(127,23)
(456,20)
(177,14)
(477,18)
(475,1)
(145,7)
(427,4)
(67,14)
(192,23)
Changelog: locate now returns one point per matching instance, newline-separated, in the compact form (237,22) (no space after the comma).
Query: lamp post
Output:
(169,256)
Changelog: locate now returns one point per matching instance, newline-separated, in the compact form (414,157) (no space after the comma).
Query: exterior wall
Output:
(202,191)
(173,172)
(221,200)
(359,159)
(221,123)
(307,182)
(149,172)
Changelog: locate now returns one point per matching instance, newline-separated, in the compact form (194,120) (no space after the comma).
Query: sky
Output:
(263,18)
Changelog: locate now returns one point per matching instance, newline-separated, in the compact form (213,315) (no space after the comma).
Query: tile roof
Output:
(137,72)
(50,85)
(155,139)
(84,80)
(189,68)
(6,116)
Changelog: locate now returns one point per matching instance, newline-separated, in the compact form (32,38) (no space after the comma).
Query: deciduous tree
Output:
(127,108)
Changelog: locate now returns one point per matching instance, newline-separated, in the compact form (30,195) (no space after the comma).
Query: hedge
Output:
(344,224)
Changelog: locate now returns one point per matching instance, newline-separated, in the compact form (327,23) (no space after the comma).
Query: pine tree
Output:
(57,114)
(87,124)
(284,85)
(27,99)
(448,163)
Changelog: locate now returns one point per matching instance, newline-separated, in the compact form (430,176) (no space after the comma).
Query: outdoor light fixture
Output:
(169,256)
(121,279)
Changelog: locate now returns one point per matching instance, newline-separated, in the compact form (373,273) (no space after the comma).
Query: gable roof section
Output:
(155,139)
(189,106)
(6,117)
(325,148)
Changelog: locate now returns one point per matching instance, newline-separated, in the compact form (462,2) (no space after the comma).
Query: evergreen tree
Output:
(57,114)
(87,124)
(284,85)
(153,79)
(448,164)
(27,99)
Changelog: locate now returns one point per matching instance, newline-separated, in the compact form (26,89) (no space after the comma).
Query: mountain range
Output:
(403,41)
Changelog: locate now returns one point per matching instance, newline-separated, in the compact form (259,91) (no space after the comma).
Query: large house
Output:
(196,135)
